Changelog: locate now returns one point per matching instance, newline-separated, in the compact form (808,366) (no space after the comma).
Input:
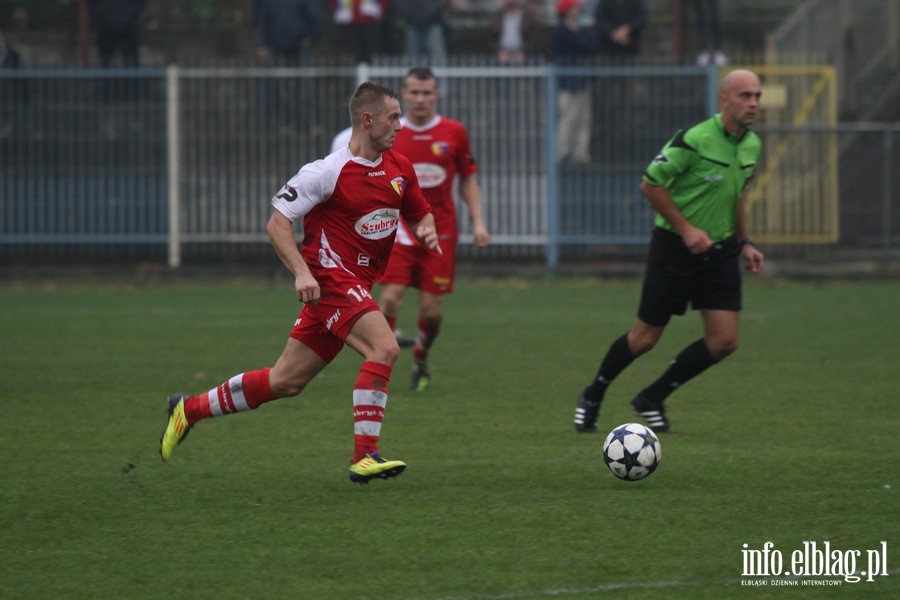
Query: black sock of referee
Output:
(617,358)
(692,361)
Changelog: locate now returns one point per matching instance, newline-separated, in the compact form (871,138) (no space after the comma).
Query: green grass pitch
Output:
(793,439)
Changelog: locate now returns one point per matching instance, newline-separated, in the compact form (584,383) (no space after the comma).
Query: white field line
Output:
(611,587)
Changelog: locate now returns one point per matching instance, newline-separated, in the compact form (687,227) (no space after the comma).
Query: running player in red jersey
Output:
(439,149)
(350,203)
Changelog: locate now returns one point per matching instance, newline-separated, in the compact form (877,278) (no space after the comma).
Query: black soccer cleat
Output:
(403,340)
(652,412)
(586,413)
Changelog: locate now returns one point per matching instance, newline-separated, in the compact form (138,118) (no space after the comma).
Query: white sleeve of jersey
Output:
(312,185)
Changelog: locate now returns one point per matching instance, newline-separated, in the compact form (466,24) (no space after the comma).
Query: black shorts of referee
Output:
(674,277)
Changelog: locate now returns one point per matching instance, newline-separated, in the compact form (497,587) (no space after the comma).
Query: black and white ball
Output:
(632,451)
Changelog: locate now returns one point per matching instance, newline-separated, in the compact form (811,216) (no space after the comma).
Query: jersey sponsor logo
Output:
(376,173)
(430,175)
(440,148)
(661,158)
(378,224)
(289,194)
(399,185)
(713,178)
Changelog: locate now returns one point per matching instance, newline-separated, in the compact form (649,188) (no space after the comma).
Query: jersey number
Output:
(359,292)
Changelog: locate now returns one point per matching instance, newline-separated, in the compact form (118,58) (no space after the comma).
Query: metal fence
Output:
(860,38)
(178,165)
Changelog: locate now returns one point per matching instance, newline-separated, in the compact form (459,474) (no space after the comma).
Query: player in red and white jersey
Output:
(440,151)
(350,203)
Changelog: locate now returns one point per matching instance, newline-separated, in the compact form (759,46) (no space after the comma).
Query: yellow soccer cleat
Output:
(421,377)
(372,465)
(176,429)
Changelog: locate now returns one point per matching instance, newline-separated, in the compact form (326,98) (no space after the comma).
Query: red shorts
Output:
(324,326)
(418,267)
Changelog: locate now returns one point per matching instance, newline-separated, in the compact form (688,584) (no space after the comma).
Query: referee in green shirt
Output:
(697,186)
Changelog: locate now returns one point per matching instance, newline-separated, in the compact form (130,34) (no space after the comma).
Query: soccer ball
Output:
(632,451)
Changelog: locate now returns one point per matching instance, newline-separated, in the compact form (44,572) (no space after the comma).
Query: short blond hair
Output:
(369,97)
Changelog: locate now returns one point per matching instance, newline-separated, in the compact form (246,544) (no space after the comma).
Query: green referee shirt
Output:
(705,169)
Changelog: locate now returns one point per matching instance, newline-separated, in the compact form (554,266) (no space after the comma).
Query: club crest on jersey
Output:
(378,224)
(399,185)
(440,148)
(661,158)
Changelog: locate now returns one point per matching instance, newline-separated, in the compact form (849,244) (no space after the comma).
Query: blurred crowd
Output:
(294,32)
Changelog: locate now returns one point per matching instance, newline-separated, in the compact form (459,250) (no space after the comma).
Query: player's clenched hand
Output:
(696,240)
(755,259)
(307,288)
(427,236)
(481,237)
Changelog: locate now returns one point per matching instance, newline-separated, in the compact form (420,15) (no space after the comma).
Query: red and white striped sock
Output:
(369,399)
(426,332)
(242,392)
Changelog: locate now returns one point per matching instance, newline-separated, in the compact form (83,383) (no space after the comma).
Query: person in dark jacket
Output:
(424,22)
(572,45)
(116,23)
(620,24)
(286,31)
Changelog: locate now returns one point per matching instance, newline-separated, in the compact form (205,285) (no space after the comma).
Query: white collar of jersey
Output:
(434,121)
(346,155)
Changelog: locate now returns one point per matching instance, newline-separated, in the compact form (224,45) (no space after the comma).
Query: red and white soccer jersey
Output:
(439,150)
(351,209)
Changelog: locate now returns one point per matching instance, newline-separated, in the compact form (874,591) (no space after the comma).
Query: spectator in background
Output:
(572,45)
(9,57)
(424,22)
(620,24)
(286,31)
(116,23)
(515,25)
(360,21)
(12,95)
(709,33)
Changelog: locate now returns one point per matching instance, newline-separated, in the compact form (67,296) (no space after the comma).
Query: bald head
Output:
(738,78)
(739,97)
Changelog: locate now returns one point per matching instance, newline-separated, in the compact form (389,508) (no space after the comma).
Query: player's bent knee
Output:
(286,389)
(721,349)
(388,354)
(392,354)
(641,344)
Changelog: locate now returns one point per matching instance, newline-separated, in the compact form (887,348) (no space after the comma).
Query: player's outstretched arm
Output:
(755,259)
(471,195)
(425,232)
(281,232)
(695,239)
